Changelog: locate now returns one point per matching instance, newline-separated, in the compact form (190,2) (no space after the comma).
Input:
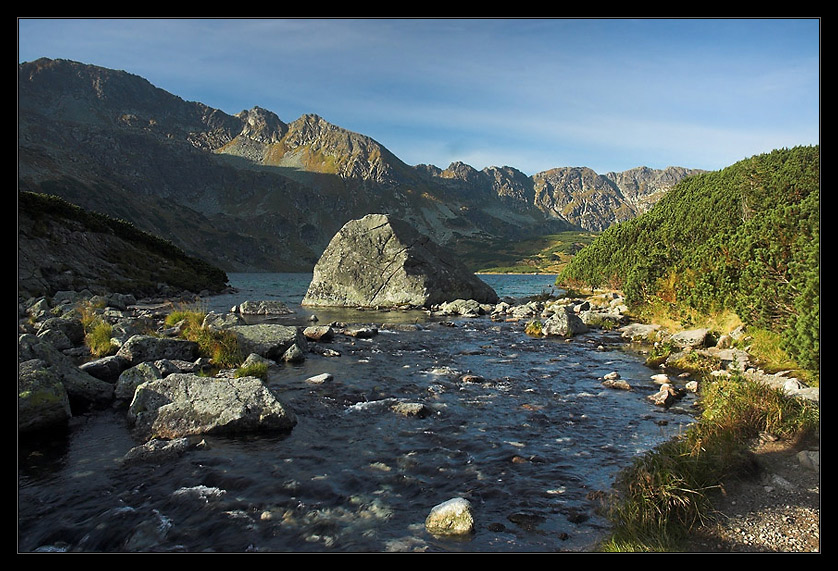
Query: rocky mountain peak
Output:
(262,125)
(111,141)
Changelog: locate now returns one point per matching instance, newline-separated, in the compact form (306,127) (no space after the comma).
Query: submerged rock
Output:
(380,261)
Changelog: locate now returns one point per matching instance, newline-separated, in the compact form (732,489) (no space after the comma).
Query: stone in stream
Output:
(453,517)
(381,261)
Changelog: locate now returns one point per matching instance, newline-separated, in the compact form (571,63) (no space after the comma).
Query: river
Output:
(528,444)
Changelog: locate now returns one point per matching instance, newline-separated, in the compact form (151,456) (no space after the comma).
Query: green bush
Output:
(744,239)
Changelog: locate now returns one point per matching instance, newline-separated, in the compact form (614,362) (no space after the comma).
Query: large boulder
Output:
(185,404)
(380,261)
(106,368)
(131,378)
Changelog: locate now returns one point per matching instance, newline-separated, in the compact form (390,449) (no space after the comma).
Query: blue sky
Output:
(609,94)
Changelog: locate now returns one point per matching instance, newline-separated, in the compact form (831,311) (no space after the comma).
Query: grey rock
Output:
(222,321)
(694,338)
(360,332)
(254,359)
(563,324)
(616,384)
(380,261)
(141,348)
(293,354)
(453,517)
(464,307)
(186,404)
(80,385)
(39,309)
(269,307)
(810,459)
(666,396)
(270,340)
(170,366)
(156,450)
(320,379)
(107,368)
(131,378)
(415,409)
(42,400)
(319,333)
(72,328)
(639,332)
(56,338)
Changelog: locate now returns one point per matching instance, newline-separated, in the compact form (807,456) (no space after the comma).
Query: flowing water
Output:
(529,443)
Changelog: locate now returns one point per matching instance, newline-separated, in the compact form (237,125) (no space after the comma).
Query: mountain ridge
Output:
(252,192)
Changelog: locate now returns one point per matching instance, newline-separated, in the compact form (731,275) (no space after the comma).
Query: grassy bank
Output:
(668,491)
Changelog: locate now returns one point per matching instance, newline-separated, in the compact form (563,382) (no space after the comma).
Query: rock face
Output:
(380,261)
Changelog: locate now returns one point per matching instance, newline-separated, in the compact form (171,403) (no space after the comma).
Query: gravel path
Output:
(777,510)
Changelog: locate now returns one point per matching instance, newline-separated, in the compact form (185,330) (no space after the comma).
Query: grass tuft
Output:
(220,346)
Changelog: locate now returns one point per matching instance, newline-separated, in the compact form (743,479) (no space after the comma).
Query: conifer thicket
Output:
(744,239)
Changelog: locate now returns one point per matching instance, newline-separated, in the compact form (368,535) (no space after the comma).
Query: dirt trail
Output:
(776,510)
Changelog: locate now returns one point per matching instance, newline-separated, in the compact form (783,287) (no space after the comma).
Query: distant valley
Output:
(250,192)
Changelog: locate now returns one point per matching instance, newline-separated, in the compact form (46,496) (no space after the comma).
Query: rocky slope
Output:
(64,248)
(251,192)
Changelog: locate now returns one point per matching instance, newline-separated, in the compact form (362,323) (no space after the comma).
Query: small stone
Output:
(453,517)
(320,379)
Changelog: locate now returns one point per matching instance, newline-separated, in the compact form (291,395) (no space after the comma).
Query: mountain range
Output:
(250,192)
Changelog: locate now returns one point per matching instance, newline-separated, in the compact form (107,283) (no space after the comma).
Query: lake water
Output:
(528,446)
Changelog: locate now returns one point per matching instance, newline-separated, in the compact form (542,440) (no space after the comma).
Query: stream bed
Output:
(530,438)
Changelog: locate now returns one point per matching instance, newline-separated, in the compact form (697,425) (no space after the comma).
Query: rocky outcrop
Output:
(80,386)
(42,398)
(381,261)
(57,380)
(642,187)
